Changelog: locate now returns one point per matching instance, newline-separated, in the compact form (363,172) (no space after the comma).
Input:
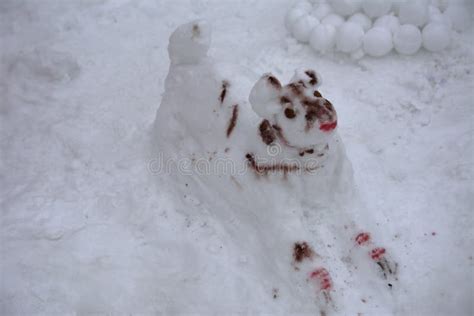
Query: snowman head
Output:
(189,43)
(300,116)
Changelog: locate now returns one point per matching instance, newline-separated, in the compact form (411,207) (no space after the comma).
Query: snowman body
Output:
(284,135)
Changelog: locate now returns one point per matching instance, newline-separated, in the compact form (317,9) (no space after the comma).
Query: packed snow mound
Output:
(437,19)
(225,137)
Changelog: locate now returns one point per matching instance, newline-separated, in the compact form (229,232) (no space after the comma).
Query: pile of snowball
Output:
(375,27)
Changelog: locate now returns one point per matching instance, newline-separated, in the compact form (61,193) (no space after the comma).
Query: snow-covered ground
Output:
(84,227)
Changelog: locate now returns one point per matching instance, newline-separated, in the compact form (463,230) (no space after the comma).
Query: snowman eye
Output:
(313,78)
(274,82)
(290,113)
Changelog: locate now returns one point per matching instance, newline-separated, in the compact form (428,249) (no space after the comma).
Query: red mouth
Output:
(326,127)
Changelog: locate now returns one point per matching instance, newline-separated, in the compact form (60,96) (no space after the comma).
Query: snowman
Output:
(265,161)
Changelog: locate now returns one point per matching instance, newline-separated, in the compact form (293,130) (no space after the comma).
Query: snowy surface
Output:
(86,229)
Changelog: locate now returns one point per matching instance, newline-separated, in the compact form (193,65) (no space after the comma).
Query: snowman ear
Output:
(189,43)
(309,76)
(264,96)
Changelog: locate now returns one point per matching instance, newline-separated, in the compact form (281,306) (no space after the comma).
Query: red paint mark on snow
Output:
(362,238)
(377,253)
(326,127)
(321,275)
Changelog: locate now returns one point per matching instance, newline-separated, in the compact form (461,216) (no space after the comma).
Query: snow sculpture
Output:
(294,119)
(256,155)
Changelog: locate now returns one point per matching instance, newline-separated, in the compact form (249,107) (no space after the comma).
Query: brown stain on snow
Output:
(225,85)
(233,119)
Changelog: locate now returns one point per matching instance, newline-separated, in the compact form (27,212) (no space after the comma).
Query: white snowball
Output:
(376,8)
(303,27)
(440,4)
(433,10)
(304,6)
(361,19)
(292,16)
(407,40)
(436,37)
(378,42)
(334,20)
(441,18)
(413,12)
(389,22)
(460,17)
(346,7)
(190,42)
(349,37)
(396,7)
(322,11)
(323,38)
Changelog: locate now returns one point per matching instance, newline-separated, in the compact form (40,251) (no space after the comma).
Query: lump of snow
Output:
(334,20)
(413,12)
(378,42)
(304,6)
(189,43)
(407,39)
(349,37)
(302,28)
(345,7)
(361,19)
(322,11)
(441,18)
(440,4)
(376,8)
(436,37)
(460,17)
(432,10)
(389,22)
(323,38)
(293,16)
